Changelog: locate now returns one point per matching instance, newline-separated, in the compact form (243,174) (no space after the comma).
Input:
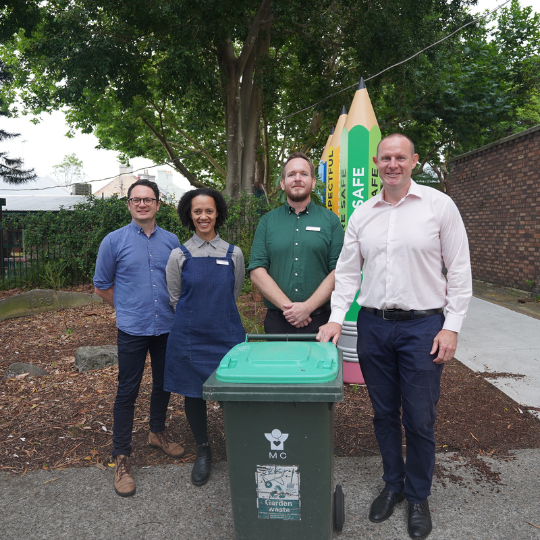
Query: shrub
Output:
(65,244)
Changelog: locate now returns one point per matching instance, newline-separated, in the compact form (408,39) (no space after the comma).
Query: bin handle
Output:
(281,337)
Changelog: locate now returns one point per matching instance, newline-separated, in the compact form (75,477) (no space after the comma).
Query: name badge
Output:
(219,261)
(313,228)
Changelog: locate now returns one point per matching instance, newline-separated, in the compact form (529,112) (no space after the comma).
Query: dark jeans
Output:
(400,373)
(275,323)
(132,352)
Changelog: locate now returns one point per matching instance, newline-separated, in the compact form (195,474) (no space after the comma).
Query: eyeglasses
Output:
(147,200)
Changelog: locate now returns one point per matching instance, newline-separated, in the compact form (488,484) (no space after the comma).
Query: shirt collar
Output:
(306,210)
(414,190)
(198,241)
(139,229)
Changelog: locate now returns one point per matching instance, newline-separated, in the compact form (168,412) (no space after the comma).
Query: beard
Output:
(298,197)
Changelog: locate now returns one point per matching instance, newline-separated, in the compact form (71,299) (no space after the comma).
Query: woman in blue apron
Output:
(204,278)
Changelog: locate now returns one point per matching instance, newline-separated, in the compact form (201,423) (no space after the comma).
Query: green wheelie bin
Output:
(278,399)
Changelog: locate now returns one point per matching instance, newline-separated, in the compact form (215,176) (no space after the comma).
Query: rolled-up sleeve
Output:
(259,254)
(105,265)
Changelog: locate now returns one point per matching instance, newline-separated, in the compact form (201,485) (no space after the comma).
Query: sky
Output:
(44,145)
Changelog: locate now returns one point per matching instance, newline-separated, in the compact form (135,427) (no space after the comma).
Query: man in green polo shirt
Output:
(294,255)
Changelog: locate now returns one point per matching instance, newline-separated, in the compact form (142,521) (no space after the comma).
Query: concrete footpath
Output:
(80,504)
(497,340)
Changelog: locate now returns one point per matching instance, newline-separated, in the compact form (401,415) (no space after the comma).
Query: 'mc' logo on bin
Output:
(276,439)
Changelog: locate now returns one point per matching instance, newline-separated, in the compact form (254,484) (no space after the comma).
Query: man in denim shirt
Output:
(130,276)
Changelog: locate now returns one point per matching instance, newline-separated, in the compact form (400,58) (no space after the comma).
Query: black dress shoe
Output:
(201,468)
(419,525)
(383,506)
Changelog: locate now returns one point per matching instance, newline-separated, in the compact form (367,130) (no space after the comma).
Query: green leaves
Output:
(66,243)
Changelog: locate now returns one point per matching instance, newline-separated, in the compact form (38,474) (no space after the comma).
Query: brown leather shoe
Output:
(161,440)
(123,481)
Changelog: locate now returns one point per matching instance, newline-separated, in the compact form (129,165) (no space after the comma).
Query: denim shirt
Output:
(135,265)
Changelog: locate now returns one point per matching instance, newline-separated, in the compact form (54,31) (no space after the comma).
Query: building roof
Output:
(35,204)
(120,185)
(43,193)
(41,186)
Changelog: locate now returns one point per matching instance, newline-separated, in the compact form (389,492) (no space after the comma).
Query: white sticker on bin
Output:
(278,492)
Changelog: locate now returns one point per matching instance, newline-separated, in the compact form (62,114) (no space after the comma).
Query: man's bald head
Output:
(392,135)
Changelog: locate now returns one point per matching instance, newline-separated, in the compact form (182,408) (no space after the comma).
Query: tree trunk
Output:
(243,101)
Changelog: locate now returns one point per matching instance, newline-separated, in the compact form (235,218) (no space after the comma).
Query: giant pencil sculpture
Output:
(359,181)
(359,178)
(324,163)
(332,174)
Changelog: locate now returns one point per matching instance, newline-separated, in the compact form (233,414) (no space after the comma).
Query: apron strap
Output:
(230,251)
(186,252)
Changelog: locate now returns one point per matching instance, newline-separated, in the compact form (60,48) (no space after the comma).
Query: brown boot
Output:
(161,440)
(123,481)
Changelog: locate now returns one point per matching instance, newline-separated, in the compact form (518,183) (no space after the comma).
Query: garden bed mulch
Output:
(64,419)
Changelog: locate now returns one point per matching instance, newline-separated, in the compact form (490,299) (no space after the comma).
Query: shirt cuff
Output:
(337,316)
(103,285)
(453,322)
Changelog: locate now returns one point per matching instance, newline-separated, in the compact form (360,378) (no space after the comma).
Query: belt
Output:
(401,314)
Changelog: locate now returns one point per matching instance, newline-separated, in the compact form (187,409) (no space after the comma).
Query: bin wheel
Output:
(339,509)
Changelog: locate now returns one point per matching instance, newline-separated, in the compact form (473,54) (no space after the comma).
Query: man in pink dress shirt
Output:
(399,240)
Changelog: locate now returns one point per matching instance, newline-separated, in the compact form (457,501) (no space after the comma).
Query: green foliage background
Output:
(67,242)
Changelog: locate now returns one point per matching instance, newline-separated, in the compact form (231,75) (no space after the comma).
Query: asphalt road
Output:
(81,504)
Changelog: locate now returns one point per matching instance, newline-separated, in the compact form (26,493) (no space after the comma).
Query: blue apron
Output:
(206,323)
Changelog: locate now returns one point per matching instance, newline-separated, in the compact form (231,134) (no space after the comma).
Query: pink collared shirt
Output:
(401,250)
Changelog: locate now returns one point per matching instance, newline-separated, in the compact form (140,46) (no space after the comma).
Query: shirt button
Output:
(296,243)
(296,290)
(295,274)
(296,230)
(296,259)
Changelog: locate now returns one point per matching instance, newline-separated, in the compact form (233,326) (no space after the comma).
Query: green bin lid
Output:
(288,362)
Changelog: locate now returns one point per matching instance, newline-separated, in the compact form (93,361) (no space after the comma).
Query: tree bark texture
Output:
(244,101)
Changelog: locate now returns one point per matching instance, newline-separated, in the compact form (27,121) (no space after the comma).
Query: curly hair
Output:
(184,207)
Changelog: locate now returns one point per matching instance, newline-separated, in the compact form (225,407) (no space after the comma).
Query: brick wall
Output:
(497,190)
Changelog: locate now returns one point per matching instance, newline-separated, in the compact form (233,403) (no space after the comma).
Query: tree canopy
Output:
(209,86)
(69,170)
(11,169)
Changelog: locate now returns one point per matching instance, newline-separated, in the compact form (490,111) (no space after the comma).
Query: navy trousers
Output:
(400,374)
(132,352)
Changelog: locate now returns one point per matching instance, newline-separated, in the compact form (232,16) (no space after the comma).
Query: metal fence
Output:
(27,266)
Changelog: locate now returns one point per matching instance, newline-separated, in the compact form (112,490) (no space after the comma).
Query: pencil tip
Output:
(361,84)
(343,110)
